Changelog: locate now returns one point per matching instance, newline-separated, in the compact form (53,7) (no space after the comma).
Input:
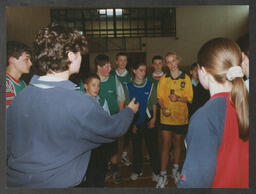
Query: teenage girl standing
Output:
(217,140)
(174,91)
(144,92)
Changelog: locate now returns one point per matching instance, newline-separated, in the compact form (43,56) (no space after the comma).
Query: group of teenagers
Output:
(60,135)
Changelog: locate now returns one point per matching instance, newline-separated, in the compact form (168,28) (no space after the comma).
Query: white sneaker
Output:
(108,176)
(125,160)
(162,181)
(176,176)
(155,177)
(134,176)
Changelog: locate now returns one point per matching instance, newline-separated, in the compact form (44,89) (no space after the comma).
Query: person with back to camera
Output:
(243,42)
(18,63)
(51,128)
(218,134)
(200,95)
(174,91)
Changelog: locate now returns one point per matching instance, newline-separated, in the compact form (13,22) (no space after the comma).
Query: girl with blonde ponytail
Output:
(217,140)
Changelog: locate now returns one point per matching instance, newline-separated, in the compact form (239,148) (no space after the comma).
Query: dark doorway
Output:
(135,57)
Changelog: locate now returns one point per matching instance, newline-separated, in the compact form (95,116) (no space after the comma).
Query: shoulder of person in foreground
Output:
(203,140)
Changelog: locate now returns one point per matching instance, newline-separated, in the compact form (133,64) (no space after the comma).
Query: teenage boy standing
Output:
(125,77)
(157,65)
(18,63)
(111,89)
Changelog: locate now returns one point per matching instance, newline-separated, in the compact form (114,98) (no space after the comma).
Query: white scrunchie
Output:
(234,72)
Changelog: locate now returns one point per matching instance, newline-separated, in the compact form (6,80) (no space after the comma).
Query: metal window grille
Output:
(118,23)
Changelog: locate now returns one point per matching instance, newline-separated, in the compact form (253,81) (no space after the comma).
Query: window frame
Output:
(141,18)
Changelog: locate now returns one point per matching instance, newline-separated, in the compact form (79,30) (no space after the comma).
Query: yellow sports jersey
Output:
(182,87)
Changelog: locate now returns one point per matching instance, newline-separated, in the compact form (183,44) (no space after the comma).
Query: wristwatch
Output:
(179,98)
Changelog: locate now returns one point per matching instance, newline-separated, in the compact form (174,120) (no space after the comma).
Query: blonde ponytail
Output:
(240,100)
(218,56)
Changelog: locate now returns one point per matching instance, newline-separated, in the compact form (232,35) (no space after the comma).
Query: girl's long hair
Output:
(217,56)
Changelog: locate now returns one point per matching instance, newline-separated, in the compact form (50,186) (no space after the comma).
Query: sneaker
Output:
(116,177)
(134,176)
(155,177)
(108,176)
(125,160)
(162,181)
(109,165)
(176,176)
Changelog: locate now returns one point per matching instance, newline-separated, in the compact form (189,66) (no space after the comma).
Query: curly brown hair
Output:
(51,47)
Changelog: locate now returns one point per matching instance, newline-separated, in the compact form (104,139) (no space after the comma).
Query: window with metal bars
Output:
(127,22)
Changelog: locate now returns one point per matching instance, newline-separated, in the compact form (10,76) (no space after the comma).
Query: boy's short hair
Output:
(121,54)
(15,49)
(193,66)
(51,47)
(243,43)
(90,77)
(157,57)
(101,60)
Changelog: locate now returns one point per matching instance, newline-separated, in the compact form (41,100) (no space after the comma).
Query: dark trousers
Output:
(97,168)
(127,137)
(151,140)
(158,110)
(111,148)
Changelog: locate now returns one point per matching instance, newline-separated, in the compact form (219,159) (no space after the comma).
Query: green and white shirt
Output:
(112,90)
(12,88)
(125,78)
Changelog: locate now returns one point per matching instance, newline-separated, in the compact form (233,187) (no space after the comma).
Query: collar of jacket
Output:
(36,81)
